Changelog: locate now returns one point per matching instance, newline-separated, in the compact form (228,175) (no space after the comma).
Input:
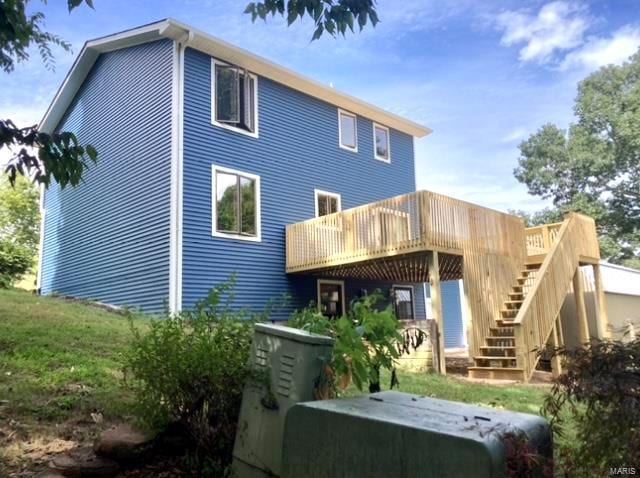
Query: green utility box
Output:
(288,363)
(392,434)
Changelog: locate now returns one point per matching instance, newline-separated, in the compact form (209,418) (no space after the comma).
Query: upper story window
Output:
(236,204)
(381,145)
(327,203)
(234,100)
(348,130)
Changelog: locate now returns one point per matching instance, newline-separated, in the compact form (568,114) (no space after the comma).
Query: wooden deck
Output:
(429,237)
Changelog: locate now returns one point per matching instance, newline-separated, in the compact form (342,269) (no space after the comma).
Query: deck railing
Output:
(540,239)
(575,241)
(416,221)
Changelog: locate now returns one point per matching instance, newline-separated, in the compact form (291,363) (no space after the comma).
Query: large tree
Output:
(60,156)
(594,166)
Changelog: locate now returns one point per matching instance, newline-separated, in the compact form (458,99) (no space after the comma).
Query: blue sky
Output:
(483,75)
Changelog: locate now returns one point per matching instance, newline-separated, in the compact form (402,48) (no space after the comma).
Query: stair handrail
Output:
(534,321)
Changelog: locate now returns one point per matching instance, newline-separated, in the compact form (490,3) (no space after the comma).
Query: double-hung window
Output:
(381,146)
(236,204)
(348,130)
(234,98)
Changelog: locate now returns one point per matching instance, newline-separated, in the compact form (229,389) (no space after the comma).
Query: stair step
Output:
(516,294)
(509,313)
(498,347)
(500,337)
(497,373)
(517,288)
(494,357)
(513,302)
(491,341)
(505,322)
(533,265)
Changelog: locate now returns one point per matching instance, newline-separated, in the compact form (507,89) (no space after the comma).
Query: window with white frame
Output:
(381,143)
(348,130)
(236,204)
(234,98)
(327,203)
(403,302)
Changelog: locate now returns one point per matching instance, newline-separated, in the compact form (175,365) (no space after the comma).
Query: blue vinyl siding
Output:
(108,239)
(297,151)
(452,313)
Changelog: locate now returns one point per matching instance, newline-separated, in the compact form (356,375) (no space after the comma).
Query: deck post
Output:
(436,307)
(578,294)
(556,366)
(601,304)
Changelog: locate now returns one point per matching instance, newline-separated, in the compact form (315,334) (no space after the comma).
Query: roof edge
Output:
(202,41)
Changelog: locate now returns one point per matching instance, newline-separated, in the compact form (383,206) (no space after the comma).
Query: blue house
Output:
(215,162)
(207,153)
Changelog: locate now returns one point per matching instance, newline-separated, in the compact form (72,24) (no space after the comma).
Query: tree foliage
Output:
(331,16)
(19,224)
(594,166)
(36,154)
(19,215)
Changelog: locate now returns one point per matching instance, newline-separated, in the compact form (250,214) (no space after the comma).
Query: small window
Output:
(381,143)
(327,203)
(348,129)
(403,301)
(234,98)
(236,205)
(331,298)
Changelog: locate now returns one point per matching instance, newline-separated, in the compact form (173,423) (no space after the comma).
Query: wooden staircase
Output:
(498,355)
(529,317)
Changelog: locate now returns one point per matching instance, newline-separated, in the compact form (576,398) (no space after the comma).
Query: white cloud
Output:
(558,26)
(515,134)
(599,52)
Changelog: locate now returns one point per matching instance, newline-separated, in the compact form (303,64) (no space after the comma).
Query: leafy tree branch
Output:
(331,16)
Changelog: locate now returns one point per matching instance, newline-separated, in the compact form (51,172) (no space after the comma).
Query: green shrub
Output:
(15,261)
(190,369)
(594,408)
(366,340)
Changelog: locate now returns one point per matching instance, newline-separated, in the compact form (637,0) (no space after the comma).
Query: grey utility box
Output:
(392,434)
(290,362)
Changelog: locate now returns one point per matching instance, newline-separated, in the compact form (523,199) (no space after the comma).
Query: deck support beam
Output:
(581,310)
(556,365)
(436,308)
(601,304)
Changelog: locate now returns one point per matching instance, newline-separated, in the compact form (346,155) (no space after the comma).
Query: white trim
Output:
(319,282)
(316,192)
(375,150)
(43,212)
(413,297)
(175,227)
(355,130)
(217,48)
(256,178)
(253,134)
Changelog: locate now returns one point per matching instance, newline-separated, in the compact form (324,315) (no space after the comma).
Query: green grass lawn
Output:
(520,398)
(60,370)
(59,364)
